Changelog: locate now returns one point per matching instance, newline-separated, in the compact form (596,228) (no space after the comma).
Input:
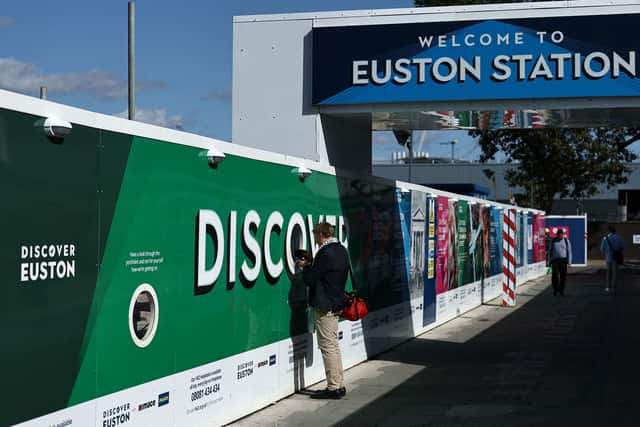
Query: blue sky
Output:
(78,49)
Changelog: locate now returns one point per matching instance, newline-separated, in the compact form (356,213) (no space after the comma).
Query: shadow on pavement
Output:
(553,361)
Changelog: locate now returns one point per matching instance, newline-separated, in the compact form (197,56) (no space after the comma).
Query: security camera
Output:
(214,157)
(303,173)
(56,128)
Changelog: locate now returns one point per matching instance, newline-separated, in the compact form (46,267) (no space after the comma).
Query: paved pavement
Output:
(549,361)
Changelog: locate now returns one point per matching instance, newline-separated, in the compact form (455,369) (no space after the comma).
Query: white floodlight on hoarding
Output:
(303,172)
(56,128)
(214,157)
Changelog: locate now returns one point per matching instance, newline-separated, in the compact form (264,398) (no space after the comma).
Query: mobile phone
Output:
(301,254)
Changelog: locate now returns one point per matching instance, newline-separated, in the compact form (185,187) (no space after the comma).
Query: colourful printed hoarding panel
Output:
(377,246)
(429,301)
(465,264)
(443,246)
(495,241)
(529,218)
(486,246)
(476,243)
(539,242)
(418,243)
(431,235)
(404,207)
(519,239)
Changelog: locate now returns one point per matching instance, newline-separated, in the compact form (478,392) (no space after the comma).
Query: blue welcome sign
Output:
(552,57)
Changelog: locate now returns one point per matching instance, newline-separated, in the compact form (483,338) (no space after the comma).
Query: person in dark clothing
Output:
(326,277)
(560,256)
(611,244)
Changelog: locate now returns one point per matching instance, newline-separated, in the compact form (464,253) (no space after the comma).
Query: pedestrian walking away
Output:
(547,244)
(326,277)
(560,257)
(612,248)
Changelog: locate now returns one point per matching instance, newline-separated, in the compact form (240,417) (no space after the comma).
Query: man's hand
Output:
(303,258)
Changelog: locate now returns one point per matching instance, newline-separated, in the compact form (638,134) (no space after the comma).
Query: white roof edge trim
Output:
(425,189)
(478,16)
(567,216)
(37,107)
(608,7)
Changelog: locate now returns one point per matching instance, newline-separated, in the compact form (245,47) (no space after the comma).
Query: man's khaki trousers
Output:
(327,332)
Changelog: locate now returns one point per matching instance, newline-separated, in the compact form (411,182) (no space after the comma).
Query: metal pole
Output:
(43,92)
(410,146)
(531,198)
(132,64)
(495,189)
(452,143)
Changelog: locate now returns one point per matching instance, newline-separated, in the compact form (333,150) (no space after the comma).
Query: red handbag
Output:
(355,307)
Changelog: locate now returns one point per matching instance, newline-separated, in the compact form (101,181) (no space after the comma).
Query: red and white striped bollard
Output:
(509,258)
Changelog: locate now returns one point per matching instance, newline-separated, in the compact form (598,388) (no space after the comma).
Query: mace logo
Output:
(163,399)
(146,405)
(272,360)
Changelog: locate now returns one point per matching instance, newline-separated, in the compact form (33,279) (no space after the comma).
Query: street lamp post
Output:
(452,143)
(491,175)
(132,61)
(410,147)
(404,138)
(531,196)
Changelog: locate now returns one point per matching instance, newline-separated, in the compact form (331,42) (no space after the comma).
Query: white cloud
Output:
(25,78)
(158,117)
(218,95)
(5,22)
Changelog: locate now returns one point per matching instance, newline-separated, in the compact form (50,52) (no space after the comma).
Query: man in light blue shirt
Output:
(559,256)
(611,244)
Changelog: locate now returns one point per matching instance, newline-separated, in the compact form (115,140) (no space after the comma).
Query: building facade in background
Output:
(619,203)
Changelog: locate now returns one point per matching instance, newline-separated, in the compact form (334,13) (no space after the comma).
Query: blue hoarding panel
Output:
(576,227)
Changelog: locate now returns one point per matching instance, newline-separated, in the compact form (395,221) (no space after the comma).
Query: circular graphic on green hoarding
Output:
(143,315)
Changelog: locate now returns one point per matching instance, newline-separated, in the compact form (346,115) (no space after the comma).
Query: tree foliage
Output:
(569,163)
